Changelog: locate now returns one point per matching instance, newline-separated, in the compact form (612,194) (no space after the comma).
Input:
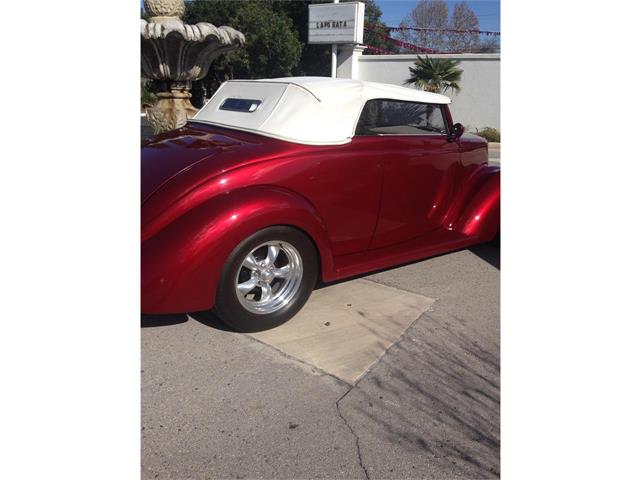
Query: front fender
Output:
(481,216)
(182,261)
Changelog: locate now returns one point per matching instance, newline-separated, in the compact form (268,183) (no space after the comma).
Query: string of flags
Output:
(369,26)
(443,30)
(378,51)
(378,32)
(400,43)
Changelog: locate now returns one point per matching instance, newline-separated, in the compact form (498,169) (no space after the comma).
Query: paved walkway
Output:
(218,404)
(345,328)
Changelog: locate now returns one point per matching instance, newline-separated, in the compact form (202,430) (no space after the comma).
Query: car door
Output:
(420,167)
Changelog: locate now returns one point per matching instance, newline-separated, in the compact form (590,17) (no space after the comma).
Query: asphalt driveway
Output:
(218,404)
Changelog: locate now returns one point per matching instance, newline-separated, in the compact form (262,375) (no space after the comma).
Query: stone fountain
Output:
(174,55)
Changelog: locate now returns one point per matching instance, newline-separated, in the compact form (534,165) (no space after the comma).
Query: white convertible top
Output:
(308,110)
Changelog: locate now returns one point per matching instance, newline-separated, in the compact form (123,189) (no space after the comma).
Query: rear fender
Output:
(182,262)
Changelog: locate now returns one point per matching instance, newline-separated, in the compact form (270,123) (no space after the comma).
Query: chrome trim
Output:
(269,277)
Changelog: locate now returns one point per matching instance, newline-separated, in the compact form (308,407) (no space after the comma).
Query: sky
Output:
(487,11)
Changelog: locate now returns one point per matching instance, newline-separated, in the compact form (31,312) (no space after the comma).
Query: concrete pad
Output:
(343,329)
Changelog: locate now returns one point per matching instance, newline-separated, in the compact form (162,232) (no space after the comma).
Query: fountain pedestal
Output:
(175,54)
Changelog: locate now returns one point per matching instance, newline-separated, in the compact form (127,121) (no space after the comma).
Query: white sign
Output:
(336,22)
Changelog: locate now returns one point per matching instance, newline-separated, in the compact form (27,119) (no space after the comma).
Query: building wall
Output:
(477,105)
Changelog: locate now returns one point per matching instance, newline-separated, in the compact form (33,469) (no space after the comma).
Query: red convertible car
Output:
(278,184)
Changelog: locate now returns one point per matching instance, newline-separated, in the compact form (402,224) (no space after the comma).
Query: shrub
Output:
(147,97)
(489,134)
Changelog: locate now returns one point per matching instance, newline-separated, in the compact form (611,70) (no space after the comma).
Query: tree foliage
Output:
(276,39)
(315,60)
(435,75)
(489,45)
(373,17)
(427,14)
(463,18)
(272,45)
(435,14)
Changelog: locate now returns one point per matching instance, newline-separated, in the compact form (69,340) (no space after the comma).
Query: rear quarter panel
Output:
(181,263)
(198,217)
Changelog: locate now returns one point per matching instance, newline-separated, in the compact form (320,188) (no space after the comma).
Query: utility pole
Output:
(334,55)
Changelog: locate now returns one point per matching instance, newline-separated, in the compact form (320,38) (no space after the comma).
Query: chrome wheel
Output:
(269,277)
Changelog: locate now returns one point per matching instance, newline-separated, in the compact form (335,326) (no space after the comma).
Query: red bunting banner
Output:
(371,27)
(378,51)
(400,43)
(378,32)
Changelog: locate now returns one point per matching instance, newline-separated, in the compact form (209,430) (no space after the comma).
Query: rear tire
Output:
(267,279)
(496,240)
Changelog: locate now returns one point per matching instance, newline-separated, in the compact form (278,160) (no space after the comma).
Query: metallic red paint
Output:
(373,203)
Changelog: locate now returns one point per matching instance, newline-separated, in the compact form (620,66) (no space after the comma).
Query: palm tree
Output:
(435,74)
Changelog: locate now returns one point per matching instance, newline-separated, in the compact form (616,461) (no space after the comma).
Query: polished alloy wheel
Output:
(269,277)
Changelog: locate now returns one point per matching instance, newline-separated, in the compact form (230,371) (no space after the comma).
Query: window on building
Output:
(393,117)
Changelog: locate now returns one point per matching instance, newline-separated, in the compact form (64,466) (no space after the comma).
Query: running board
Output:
(428,245)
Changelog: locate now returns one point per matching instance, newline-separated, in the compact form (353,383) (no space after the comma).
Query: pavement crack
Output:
(355,435)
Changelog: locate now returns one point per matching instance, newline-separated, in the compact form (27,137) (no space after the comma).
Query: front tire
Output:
(267,279)
(496,240)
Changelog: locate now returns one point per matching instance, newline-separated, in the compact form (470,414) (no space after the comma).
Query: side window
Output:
(392,117)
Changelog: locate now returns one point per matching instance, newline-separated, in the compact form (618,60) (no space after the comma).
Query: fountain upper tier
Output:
(175,51)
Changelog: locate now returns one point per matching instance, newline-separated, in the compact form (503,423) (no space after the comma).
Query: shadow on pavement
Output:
(147,320)
(489,253)
(210,319)
(439,393)
(206,318)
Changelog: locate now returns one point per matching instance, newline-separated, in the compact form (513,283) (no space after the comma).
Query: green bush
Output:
(147,98)
(272,47)
(489,134)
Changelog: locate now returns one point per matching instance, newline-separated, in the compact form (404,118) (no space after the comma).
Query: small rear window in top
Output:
(240,105)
